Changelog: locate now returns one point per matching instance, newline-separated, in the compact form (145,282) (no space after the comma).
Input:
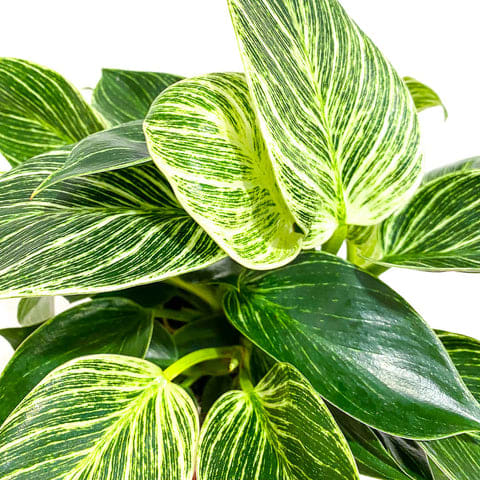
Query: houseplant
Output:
(188,214)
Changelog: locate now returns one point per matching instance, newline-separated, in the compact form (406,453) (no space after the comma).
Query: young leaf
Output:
(101,326)
(203,135)
(123,95)
(360,344)
(39,111)
(438,229)
(267,434)
(35,310)
(103,416)
(339,123)
(459,457)
(423,96)
(121,147)
(93,234)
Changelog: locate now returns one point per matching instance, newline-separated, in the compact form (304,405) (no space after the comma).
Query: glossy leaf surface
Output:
(359,343)
(124,95)
(267,433)
(101,326)
(204,136)
(342,131)
(121,147)
(39,111)
(93,234)
(105,416)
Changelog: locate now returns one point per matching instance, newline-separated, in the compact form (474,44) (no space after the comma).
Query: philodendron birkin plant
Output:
(194,224)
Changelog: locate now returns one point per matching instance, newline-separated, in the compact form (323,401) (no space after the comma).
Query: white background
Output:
(436,41)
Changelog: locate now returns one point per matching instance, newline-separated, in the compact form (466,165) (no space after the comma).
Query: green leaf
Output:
(204,136)
(15,336)
(423,96)
(339,123)
(39,111)
(105,416)
(92,234)
(459,456)
(123,95)
(35,310)
(100,326)
(437,230)
(162,350)
(209,332)
(267,434)
(122,146)
(359,343)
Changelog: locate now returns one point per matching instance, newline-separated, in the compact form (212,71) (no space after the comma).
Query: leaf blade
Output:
(423,96)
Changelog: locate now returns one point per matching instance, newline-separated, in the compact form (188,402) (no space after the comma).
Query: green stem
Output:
(204,355)
(336,240)
(201,291)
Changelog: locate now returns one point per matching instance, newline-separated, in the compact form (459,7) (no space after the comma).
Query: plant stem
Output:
(336,240)
(201,291)
(204,355)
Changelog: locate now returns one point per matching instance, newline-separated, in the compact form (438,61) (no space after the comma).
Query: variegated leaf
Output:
(39,111)
(439,229)
(423,96)
(123,95)
(120,147)
(459,457)
(104,416)
(91,234)
(359,343)
(203,134)
(281,430)
(35,310)
(112,325)
(339,123)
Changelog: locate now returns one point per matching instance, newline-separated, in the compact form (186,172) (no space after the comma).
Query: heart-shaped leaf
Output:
(203,134)
(93,234)
(124,95)
(266,433)
(113,325)
(437,230)
(122,146)
(39,111)
(104,416)
(339,123)
(359,343)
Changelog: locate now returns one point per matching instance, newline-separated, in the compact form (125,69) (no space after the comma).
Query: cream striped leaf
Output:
(423,96)
(359,343)
(124,95)
(203,134)
(120,147)
(459,457)
(439,229)
(281,430)
(339,123)
(39,111)
(92,234)
(103,416)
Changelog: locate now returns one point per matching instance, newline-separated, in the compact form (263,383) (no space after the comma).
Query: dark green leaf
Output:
(15,336)
(39,111)
(35,310)
(100,326)
(121,147)
(162,350)
(360,344)
(124,95)
(214,388)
